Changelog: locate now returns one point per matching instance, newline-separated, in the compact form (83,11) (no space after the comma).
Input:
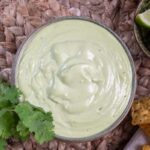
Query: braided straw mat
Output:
(19,17)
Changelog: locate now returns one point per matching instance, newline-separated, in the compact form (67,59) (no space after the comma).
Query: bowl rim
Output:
(133,86)
(137,33)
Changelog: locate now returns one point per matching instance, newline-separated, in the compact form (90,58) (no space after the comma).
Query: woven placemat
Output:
(18,18)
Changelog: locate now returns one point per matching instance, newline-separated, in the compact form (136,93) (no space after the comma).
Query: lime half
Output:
(143,19)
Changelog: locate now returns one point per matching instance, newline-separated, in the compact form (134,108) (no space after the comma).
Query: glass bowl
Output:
(126,110)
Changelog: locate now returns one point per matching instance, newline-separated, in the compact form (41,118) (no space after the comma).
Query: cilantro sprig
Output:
(19,119)
(37,121)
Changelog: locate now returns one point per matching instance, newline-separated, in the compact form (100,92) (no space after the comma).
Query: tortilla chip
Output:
(146,128)
(141,111)
(146,147)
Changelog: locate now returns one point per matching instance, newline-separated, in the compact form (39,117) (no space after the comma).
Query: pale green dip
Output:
(78,71)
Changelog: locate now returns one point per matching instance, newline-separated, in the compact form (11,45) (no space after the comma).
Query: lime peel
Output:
(143,19)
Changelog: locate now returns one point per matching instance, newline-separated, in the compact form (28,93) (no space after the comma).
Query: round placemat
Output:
(18,18)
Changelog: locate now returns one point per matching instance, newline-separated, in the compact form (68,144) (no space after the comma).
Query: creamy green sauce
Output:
(78,71)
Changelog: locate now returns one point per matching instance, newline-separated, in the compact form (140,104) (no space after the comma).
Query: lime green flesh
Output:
(143,19)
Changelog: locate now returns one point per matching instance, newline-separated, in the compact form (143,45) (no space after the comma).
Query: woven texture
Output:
(18,18)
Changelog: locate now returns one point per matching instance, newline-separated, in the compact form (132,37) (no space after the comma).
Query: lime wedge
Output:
(143,19)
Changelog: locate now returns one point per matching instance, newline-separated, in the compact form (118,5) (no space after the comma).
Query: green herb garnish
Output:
(19,119)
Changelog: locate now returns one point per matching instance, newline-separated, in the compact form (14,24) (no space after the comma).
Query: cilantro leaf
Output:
(8,122)
(23,131)
(9,95)
(37,121)
(4,104)
(3,144)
